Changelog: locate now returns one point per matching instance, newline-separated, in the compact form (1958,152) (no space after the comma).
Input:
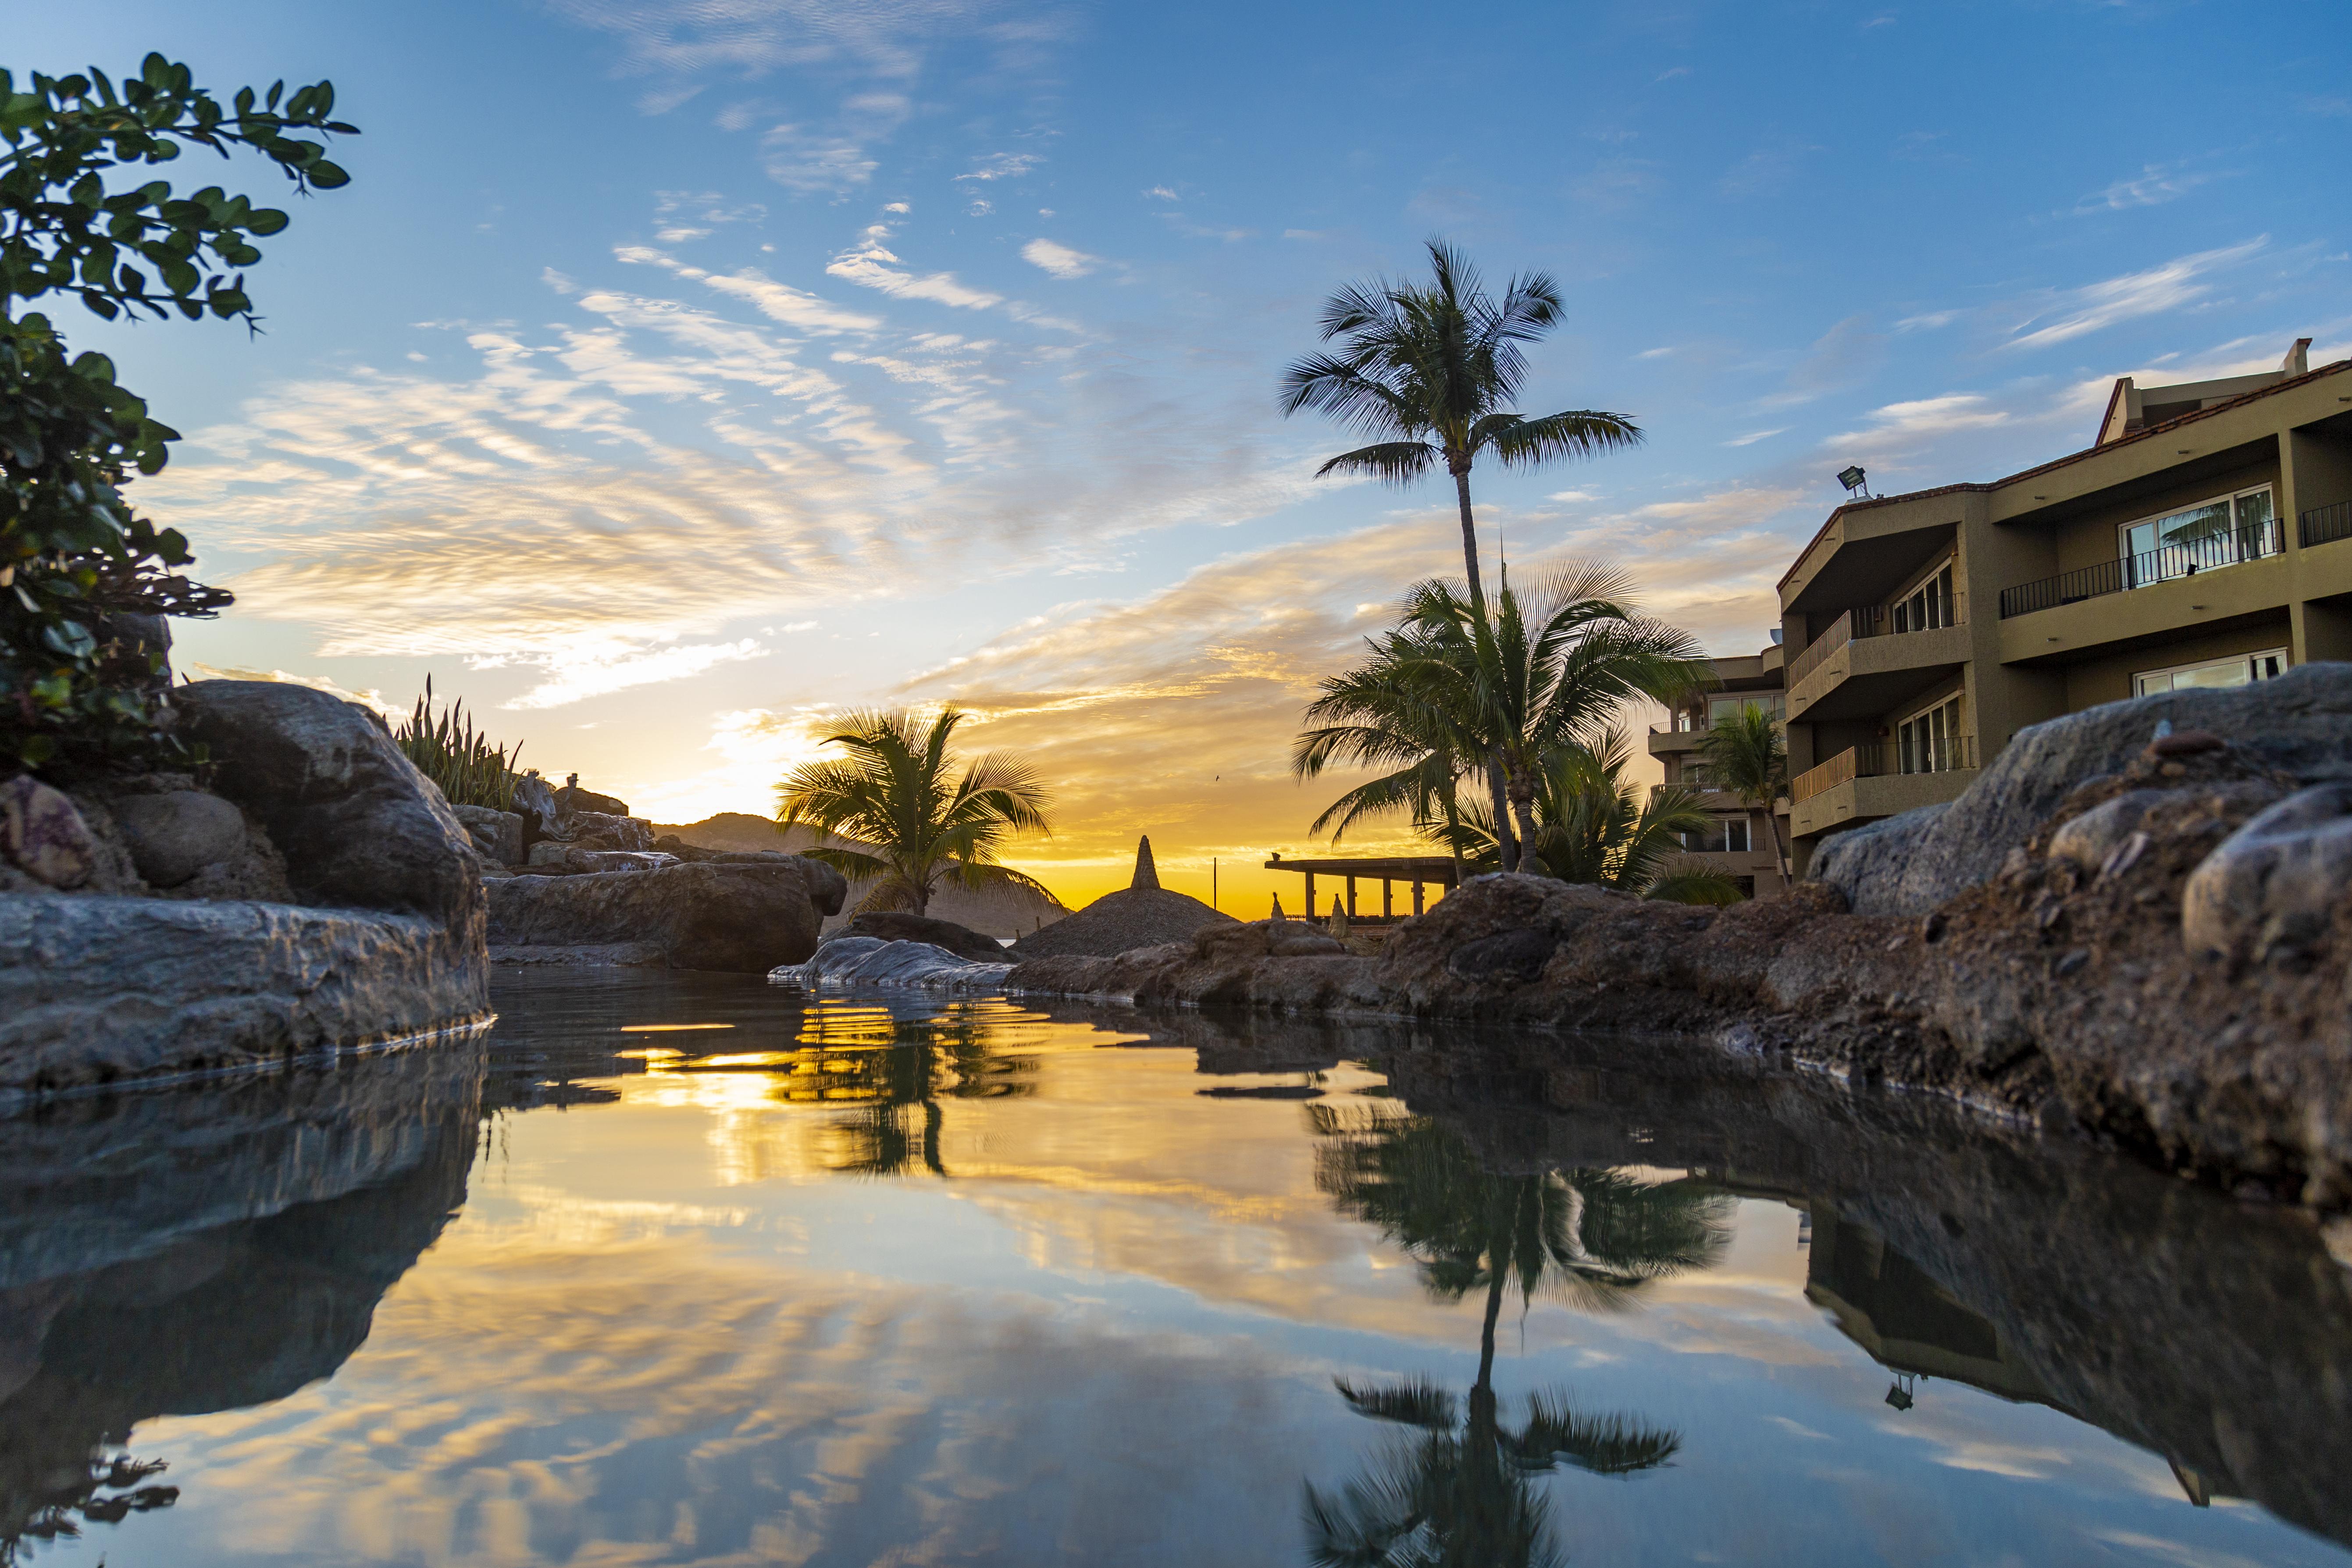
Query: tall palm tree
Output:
(1460,1492)
(1464,684)
(1595,825)
(1429,369)
(1745,755)
(1545,670)
(922,821)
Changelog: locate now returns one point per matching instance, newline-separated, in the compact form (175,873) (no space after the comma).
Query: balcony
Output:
(2173,563)
(1866,663)
(1863,783)
(2325,524)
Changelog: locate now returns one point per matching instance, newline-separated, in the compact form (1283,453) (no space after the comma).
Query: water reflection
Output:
(1462,1492)
(128,1290)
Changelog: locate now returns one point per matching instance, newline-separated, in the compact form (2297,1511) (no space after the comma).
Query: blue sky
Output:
(672,371)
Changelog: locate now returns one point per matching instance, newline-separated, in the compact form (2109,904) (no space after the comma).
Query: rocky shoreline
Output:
(2135,924)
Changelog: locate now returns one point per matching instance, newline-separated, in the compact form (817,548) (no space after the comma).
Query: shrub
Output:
(469,769)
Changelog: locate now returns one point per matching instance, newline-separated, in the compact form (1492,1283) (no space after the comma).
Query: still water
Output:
(675,1269)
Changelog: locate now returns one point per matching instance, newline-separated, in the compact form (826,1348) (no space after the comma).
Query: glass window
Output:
(2219,532)
(1929,743)
(1928,607)
(1719,709)
(2238,669)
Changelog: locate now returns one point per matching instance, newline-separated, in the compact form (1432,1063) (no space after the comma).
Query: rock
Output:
(2276,882)
(875,960)
(43,836)
(733,916)
(573,801)
(1512,955)
(497,834)
(570,860)
(2299,725)
(600,830)
(2086,841)
(359,826)
(897,925)
(534,802)
(177,834)
(106,990)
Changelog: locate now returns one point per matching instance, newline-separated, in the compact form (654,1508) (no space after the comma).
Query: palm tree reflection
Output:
(892,1074)
(1461,1489)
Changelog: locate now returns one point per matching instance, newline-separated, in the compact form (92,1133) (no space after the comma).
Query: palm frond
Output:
(1392,462)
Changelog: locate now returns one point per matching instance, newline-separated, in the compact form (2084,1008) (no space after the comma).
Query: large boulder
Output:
(497,835)
(899,925)
(2299,725)
(895,964)
(747,918)
(382,941)
(360,827)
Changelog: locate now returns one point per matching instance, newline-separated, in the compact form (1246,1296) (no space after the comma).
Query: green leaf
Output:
(266,221)
(328,176)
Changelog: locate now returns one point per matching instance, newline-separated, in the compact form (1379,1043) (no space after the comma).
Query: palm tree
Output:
(1745,755)
(1460,1492)
(1593,824)
(1430,369)
(1463,685)
(898,793)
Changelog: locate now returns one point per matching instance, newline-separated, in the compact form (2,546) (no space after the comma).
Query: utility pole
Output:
(1213,882)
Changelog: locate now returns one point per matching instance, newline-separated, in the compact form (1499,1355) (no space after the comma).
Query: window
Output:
(1930,743)
(2238,669)
(1719,709)
(1728,835)
(2218,532)
(1928,607)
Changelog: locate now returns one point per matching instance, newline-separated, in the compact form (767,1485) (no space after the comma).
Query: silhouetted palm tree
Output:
(1430,370)
(899,793)
(1460,1492)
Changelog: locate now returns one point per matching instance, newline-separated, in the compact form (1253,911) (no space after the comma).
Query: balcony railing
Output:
(2184,559)
(1940,754)
(1875,621)
(2323,523)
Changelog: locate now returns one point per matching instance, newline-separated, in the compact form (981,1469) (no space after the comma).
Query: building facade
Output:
(2205,539)
(1740,844)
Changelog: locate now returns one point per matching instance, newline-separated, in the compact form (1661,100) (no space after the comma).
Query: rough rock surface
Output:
(497,834)
(606,830)
(2299,725)
(359,826)
(1141,914)
(42,835)
(372,931)
(897,925)
(741,917)
(876,961)
(2162,961)
(551,858)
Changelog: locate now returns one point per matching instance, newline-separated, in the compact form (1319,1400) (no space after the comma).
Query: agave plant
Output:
(458,758)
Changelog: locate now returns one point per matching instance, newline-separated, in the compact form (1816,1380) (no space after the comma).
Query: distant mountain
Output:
(1008,912)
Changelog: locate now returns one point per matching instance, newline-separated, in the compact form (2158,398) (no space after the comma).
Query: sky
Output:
(677,374)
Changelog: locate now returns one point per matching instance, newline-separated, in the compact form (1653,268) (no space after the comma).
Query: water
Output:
(890,1281)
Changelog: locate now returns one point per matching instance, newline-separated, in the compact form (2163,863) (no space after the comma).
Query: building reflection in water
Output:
(1462,1487)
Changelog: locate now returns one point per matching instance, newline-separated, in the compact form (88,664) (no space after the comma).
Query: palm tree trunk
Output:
(1523,812)
(1780,848)
(1469,536)
(1507,847)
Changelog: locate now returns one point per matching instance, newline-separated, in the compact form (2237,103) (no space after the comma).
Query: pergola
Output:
(1420,870)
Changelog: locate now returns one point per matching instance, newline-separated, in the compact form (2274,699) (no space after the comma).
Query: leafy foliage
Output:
(1593,824)
(469,770)
(898,792)
(1745,755)
(1430,369)
(75,683)
(1498,687)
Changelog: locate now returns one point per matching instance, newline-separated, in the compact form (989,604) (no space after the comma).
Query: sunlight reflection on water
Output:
(902,1281)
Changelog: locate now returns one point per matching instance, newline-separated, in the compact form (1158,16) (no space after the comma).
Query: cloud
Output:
(2155,185)
(1899,426)
(1670,75)
(1003,166)
(1059,259)
(2072,313)
(862,264)
(1846,356)
(778,301)
(1764,171)
(1656,353)
(1162,193)
(1755,436)
(595,667)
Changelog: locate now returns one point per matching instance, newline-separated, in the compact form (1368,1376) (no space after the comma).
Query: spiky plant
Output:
(462,762)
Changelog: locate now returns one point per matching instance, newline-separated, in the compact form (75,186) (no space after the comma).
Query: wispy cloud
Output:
(1059,259)
(863,264)
(1003,166)
(2076,312)
(1755,436)
(2155,185)
(595,667)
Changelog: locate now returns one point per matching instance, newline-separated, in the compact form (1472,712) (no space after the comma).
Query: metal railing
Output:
(2323,523)
(1873,621)
(2185,558)
(1943,754)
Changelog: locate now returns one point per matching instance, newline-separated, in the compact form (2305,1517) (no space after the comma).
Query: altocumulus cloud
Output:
(1059,259)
